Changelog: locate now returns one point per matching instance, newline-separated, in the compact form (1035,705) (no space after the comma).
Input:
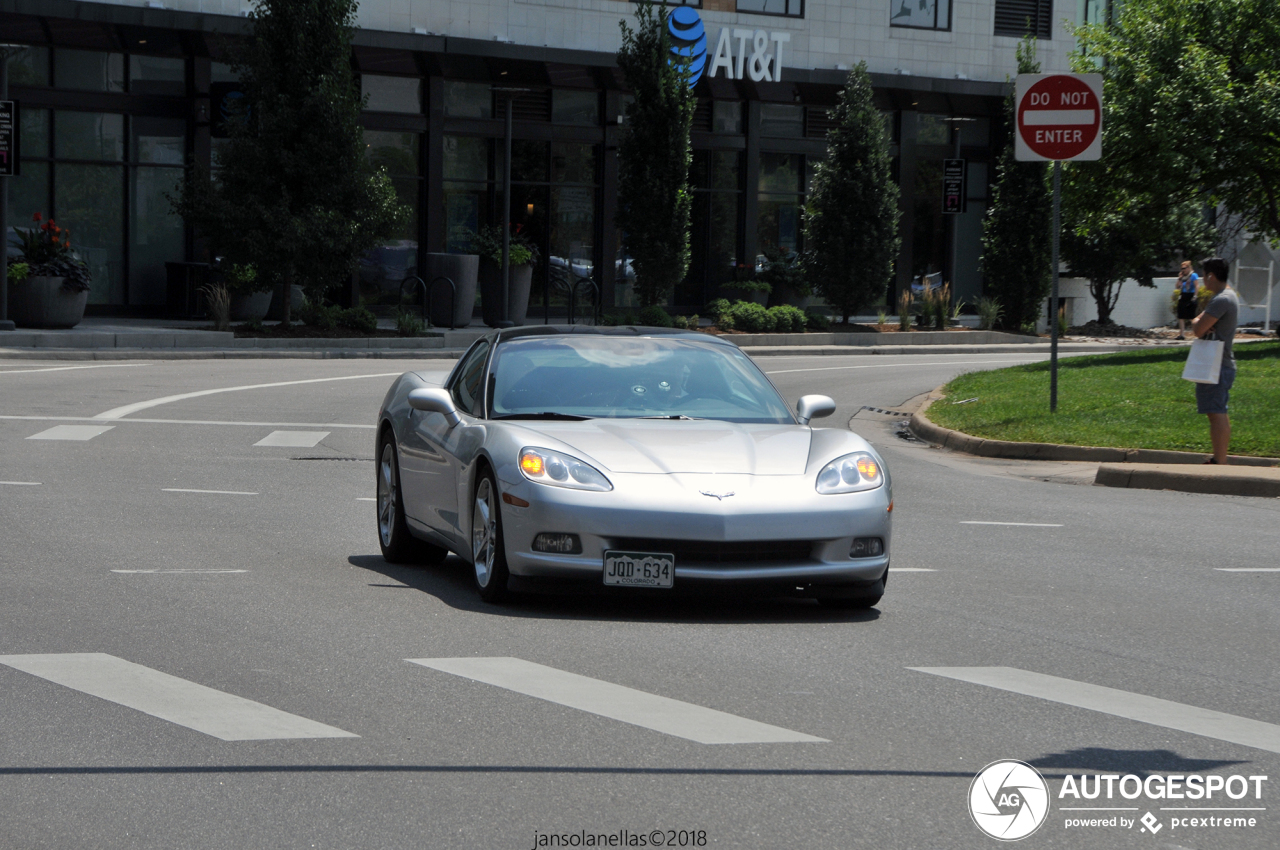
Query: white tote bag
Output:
(1204,363)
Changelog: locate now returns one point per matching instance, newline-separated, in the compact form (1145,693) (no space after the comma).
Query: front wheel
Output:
(489,554)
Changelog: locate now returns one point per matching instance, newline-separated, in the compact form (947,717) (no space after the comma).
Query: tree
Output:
(1017,238)
(294,195)
(1194,99)
(654,197)
(851,220)
(1111,234)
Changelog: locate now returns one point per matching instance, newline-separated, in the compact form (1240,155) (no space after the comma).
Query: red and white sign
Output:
(1059,117)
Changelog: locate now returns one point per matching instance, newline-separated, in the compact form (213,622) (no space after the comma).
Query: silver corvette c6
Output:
(629,458)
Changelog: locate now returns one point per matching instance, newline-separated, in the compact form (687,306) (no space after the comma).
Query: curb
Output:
(960,442)
(1223,481)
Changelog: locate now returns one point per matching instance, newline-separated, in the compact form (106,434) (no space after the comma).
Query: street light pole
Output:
(6,324)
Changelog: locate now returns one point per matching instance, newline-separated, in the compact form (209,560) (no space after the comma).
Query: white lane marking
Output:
(1019,524)
(669,716)
(79,433)
(191,422)
(22,483)
(913,570)
(180,571)
(293,439)
(900,365)
(68,368)
(215,492)
(1248,569)
(1145,709)
(365,499)
(221,715)
(125,410)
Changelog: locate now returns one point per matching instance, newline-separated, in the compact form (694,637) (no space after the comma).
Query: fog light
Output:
(561,544)
(866,547)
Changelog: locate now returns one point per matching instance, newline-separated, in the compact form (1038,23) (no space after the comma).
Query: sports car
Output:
(631,459)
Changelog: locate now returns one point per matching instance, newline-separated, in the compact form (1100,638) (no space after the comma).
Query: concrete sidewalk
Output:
(1147,469)
(171,339)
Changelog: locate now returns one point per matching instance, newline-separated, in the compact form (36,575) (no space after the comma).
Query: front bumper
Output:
(675,508)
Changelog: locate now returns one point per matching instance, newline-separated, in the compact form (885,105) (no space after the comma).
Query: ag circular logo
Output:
(688,40)
(1009,800)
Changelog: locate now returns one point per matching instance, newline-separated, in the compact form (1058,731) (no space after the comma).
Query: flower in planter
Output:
(47,253)
(488,244)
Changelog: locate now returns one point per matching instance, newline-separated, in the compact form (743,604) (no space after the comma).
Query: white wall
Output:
(1138,306)
(833,32)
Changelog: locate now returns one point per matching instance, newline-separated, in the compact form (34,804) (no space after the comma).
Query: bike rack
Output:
(573,294)
(428,291)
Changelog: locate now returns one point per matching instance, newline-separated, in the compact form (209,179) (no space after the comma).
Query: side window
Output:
(468,384)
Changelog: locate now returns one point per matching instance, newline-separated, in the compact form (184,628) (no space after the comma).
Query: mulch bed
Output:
(297,331)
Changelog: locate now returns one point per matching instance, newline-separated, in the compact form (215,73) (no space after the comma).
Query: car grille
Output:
(711,552)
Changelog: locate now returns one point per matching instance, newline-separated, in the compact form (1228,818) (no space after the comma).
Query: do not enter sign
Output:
(1059,117)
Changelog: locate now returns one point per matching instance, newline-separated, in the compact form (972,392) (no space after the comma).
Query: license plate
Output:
(639,569)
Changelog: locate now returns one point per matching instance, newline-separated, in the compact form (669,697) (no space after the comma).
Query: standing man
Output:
(1219,320)
(1186,285)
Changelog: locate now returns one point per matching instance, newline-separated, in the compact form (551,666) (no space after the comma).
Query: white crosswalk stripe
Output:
(293,439)
(661,714)
(221,715)
(72,432)
(1158,712)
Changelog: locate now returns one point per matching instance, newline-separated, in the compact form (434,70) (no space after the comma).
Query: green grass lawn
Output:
(1132,400)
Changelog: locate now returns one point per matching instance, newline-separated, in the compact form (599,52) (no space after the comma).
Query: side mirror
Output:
(813,407)
(435,401)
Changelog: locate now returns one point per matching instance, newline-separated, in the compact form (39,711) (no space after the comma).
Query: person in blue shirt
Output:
(1186,285)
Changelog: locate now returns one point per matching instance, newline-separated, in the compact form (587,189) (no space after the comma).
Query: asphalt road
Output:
(1051,640)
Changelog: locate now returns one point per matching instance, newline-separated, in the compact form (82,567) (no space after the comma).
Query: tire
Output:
(488,551)
(399,546)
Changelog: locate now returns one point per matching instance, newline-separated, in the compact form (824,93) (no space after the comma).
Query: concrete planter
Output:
(491,293)
(250,306)
(297,300)
(43,302)
(463,270)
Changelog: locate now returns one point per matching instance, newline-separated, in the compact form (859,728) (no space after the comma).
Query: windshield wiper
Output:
(671,416)
(549,414)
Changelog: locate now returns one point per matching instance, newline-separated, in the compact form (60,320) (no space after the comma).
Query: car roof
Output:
(600,330)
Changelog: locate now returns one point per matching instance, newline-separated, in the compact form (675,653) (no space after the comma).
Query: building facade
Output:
(118,98)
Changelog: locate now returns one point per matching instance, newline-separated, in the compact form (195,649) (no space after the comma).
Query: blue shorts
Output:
(1212,398)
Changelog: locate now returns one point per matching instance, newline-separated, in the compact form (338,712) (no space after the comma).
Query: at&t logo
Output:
(688,40)
(1008,800)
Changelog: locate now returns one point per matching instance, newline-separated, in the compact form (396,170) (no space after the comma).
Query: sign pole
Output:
(6,324)
(1053,298)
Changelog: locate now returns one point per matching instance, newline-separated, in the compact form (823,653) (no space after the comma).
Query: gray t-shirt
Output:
(1226,307)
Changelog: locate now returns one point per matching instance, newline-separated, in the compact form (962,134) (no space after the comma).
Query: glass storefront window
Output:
(976,133)
(780,172)
(466,158)
(467,100)
(30,67)
(920,14)
(162,75)
(782,120)
(89,135)
(28,193)
(726,116)
(162,141)
(396,152)
(791,8)
(35,133)
(572,163)
(715,234)
(156,234)
(466,208)
(933,129)
(89,200)
(220,72)
(575,107)
(391,94)
(88,70)
(384,269)
(528,161)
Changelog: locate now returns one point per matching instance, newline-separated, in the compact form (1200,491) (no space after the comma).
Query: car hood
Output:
(679,446)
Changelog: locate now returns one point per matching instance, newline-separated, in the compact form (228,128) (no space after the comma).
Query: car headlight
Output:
(848,474)
(560,470)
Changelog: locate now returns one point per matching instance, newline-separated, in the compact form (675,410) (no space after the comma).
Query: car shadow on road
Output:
(1137,762)
(450,582)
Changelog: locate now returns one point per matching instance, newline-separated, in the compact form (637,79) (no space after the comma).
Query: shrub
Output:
(817,321)
(904,310)
(751,317)
(409,323)
(321,316)
(989,311)
(692,322)
(718,306)
(655,317)
(788,319)
(358,319)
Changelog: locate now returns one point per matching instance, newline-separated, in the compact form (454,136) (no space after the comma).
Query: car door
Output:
(430,462)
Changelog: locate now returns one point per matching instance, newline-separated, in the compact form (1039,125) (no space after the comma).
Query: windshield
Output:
(629,377)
